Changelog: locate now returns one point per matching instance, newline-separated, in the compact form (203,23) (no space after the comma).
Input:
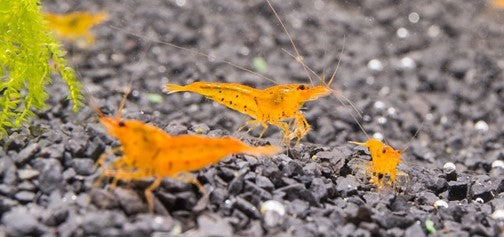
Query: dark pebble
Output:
(175,129)
(247,207)
(50,177)
(94,222)
(319,189)
(53,151)
(414,230)
(104,199)
(482,188)
(130,201)
(214,225)
(298,191)
(389,220)
(7,190)
(55,216)
(76,147)
(19,222)
(264,183)
(218,196)
(457,190)
(83,166)
(6,204)
(426,198)
(27,153)
(236,185)
(256,190)
(25,196)
(347,186)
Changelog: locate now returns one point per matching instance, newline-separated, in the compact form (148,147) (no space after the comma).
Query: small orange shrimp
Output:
(75,26)
(150,152)
(384,161)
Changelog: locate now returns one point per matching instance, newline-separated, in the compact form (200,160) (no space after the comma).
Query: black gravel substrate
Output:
(404,63)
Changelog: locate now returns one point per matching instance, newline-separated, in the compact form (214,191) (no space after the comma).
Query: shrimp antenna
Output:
(193,51)
(339,62)
(411,140)
(299,58)
(302,63)
(123,102)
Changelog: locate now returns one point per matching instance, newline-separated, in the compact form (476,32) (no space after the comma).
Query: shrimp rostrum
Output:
(148,151)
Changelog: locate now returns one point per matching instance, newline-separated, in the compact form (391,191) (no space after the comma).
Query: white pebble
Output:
(498,215)
(381,120)
(498,164)
(378,136)
(402,32)
(391,111)
(440,203)
(479,200)
(272,205)
(433,31)
(413,17)
(379,105)
(370,80)
(384,90)
(481,126)
(180,3)
(408,63)
(449,167)
(375,64)
(245,51)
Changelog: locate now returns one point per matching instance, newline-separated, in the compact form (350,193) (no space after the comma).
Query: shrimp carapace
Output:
(148,151)
(272,105)
(75,26)
(384,162)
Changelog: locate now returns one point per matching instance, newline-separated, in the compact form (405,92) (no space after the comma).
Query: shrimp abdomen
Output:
(235,96)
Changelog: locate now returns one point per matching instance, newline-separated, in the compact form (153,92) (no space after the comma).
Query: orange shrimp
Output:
(384,161)
(75,26)
(271,105)
(150,152)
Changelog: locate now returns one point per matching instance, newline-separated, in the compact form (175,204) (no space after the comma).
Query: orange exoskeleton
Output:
(75,26)
(148,151)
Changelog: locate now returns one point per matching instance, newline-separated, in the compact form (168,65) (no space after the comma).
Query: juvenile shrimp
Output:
(75,26)
(148,151)
(384,161)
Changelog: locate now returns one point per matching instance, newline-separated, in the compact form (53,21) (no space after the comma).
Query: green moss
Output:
(28,55)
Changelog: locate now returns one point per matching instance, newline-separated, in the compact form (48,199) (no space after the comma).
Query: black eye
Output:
(301,87)
(121,124)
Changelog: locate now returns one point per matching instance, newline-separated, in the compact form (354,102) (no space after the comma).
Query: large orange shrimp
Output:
(272,105)
(148,151)
(75,26)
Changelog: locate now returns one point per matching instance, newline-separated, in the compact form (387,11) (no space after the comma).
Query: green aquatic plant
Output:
(29,54)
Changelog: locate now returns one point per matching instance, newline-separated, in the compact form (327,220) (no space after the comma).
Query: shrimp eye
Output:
(121,123)
(301,87)
(384,150)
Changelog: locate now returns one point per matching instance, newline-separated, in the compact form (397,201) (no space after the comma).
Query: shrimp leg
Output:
(148,192)
(285,128)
